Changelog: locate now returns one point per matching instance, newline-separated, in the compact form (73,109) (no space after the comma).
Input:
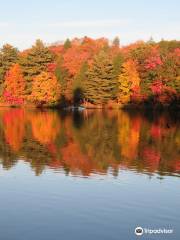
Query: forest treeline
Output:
(92,73)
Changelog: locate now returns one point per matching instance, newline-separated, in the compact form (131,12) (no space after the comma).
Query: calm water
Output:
(92,175)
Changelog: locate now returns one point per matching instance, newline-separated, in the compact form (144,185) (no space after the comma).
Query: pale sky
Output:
(22,22)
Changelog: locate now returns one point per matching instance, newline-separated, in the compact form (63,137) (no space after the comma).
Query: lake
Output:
(90,175)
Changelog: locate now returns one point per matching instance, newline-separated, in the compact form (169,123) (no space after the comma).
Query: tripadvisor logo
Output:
(139,231)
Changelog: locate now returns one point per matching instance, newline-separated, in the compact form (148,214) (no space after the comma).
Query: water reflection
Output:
(91,141)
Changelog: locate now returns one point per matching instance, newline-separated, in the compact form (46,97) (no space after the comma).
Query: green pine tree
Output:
(117,64)
(101,83)
(78,84)
(116,42)
(35,62)
(8,56)
(67,44)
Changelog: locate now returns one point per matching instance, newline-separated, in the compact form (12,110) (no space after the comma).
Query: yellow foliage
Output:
(128,136)
(128,79)
(45,89)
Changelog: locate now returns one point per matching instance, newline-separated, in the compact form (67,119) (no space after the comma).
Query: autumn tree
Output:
(170,70)
(128,81)
(45,89)
(100,85)
(14,88)
(82,52)
(74,58)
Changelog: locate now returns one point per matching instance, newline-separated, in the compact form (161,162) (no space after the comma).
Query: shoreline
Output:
(104,107)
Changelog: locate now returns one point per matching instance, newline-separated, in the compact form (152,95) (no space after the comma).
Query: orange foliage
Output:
(75,56)
(45,126)
(129,132)
(75,160)
(45,89)
(131,69)
(59,49)
(14,127)
(14,83)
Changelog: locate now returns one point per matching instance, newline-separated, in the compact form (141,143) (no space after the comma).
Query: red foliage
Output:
(177,165)
(58,49)
(10,99)
(154,59)
(177,52)
(51,67)
(156,131)
(157,87)
(153,62)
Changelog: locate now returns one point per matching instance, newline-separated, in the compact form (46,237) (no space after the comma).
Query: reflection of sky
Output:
(21,22)
(54,206)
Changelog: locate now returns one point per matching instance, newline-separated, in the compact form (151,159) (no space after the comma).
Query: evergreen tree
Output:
(35,62)
(67,44)
(151,41)
(100,85)
(116,42)
(8,56)
(61,74)
(78,84)
(65,81)
(117,63)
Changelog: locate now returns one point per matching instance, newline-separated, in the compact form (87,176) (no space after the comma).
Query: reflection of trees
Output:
(45,126)
(36,154)
(158,147)
(128,135)
(14,127)
(74,160)
(92,141)
(98,141)
(7,157)
(149,142)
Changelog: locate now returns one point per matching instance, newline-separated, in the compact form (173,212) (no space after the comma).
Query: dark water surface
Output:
(88,176)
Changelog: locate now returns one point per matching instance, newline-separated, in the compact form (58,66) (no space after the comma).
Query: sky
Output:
(22,22)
